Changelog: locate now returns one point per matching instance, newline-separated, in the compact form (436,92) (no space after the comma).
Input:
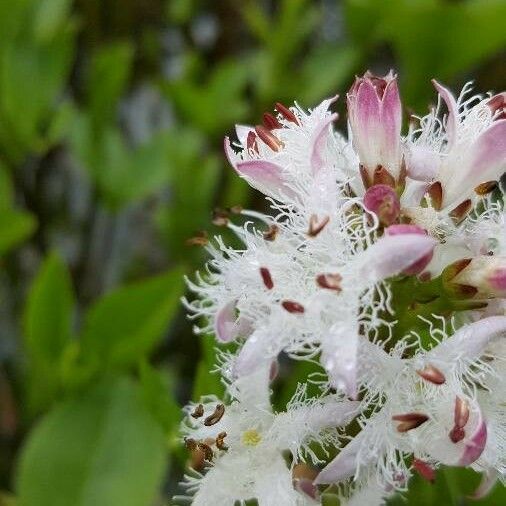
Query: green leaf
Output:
(207,382)
(123,327)
(49,312)
(15,227)
(157,392)
(47,322)
(49,17)
(109,74)
(6,189)
(100,449)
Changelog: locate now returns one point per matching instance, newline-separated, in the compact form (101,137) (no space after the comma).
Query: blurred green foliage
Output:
(112,115)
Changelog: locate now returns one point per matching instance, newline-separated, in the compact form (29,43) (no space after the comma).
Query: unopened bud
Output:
(483,276)
(382,200)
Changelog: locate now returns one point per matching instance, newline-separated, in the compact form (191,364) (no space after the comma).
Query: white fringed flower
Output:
(246,440)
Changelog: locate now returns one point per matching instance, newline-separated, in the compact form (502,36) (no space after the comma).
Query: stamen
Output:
(271,122)
(219,441)
(435,192)
(286,113)
(251,437)
(268,138)
(432,374)
(271,233)
(206,450)
(329,281)
(216,416)
(198,411)
(292,306)
(409,421)
(460,212)
(315,226)
(486,188)
(382,176)
(424,470)
(251,142)
(200,239)
(266,278)
(190,443)
(461,412)
(366,180)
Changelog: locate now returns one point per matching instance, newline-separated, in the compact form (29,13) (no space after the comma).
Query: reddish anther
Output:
(268,138)
(286,113)
(432,374)
(409,421)
(292,306)
(251,142)
(329,281)
(271,122)
(266,278)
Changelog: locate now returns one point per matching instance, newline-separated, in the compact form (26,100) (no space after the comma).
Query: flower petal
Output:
(339,359)
(451,104)
(341,467)
(319,143)
(469,341)
(224,323)
(475,445)
(393,254)
(262,175)
(488,480)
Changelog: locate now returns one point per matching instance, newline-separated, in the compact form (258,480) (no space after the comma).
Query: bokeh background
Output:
(112,115)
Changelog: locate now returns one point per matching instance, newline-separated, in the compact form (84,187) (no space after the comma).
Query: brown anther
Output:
(271,233)
(200,239)
(215,417)
(266,278)
(220,444)
(329,281)
(198,411)
(457,434)
(409,421)
(316,226)
(271,122)
(286,113)
(251,141)
(424,470)
(461,412)
(382,176)
(190,443)
(403,173)
(268,138)
(366,180)
(486,188)
(207,451)
(460,212)
(435,192)
(432,374)
(220,217)
(292,306)
(455,268)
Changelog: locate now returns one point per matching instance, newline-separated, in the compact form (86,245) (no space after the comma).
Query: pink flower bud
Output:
(382,200)
(374,113)
(486,274)
(401,229)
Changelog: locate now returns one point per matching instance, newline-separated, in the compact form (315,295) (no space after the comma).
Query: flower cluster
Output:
(382,264)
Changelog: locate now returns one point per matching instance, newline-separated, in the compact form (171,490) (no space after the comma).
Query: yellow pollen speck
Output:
(251,437)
